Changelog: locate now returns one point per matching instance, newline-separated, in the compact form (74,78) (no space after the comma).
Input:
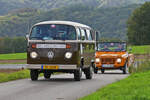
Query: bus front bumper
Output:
(59,67)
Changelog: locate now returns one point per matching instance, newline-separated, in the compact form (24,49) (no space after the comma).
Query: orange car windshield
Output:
(112,47)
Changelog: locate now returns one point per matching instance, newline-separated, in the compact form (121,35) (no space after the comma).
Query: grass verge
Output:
(10,75)
(14,56)
(5,77)
(134,87)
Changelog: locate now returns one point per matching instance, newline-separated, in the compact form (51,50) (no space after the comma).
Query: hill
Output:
(120,3)
(110,21)
(8,6)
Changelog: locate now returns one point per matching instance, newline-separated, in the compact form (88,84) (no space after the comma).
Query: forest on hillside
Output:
(8,6)
(111,22)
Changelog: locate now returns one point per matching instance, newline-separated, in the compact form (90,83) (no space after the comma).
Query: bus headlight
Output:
(119,60)
(97,60)
(33,55)
(68,55)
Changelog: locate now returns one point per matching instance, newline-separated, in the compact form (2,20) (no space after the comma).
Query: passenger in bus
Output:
(71,34)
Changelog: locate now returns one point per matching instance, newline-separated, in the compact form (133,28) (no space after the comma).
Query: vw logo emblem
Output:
(50,54)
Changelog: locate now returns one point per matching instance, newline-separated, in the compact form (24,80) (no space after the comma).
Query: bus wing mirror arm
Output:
(27,36)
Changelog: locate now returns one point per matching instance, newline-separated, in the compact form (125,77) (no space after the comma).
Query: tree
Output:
(13,45)
(111,22)
(139,25)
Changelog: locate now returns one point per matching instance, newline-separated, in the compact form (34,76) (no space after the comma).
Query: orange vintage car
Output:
(112,55)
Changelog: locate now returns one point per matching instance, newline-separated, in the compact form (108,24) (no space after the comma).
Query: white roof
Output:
(63,22)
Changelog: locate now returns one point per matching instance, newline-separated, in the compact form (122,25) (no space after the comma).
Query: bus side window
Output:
(88,34)
(97,36)
(93,34)
(78,34)
(83,35)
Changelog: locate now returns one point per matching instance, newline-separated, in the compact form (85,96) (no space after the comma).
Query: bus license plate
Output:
(50,67)
(107,66)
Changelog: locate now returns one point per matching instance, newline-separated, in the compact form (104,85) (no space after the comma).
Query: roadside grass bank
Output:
(5,76)
(134,87)
(14,56)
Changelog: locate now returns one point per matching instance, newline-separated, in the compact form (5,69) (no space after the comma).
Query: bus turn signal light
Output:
(33,46)
(68,46)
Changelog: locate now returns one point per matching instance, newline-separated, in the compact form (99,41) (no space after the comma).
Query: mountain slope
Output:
(111,22)
(119,3)
(11,5)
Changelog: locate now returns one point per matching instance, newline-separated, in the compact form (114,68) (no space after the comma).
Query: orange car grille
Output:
(108,60)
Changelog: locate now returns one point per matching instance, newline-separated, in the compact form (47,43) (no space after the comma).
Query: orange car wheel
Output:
(103,71)
(95,70)
(125,69)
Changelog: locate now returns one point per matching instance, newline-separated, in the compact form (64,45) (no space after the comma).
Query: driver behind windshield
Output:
(120,48)
(106,48)
(47,34)
(69,34)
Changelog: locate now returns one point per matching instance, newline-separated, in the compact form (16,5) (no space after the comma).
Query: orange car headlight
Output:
(97,60)
(119,60)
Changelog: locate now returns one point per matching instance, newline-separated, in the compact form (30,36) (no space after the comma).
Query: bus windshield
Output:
(110,47)
(53,32)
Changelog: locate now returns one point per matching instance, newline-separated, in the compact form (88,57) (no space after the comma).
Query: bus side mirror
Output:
(96,48)
(83,38)
(27,36)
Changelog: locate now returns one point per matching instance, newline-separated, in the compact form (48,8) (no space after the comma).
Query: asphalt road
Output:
(59,87)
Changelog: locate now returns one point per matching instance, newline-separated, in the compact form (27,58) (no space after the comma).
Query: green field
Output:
(135,50)
(14,56)
(145,49)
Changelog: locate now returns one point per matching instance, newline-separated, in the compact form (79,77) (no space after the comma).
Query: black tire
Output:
(77,74)
(34,75)
(102,71)
(89,73)
(47,75)
(95,70)
(125,69)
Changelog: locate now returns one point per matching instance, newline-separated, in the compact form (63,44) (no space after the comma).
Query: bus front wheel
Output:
(78,74)
(89,73)
(34,75)
(47,75)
